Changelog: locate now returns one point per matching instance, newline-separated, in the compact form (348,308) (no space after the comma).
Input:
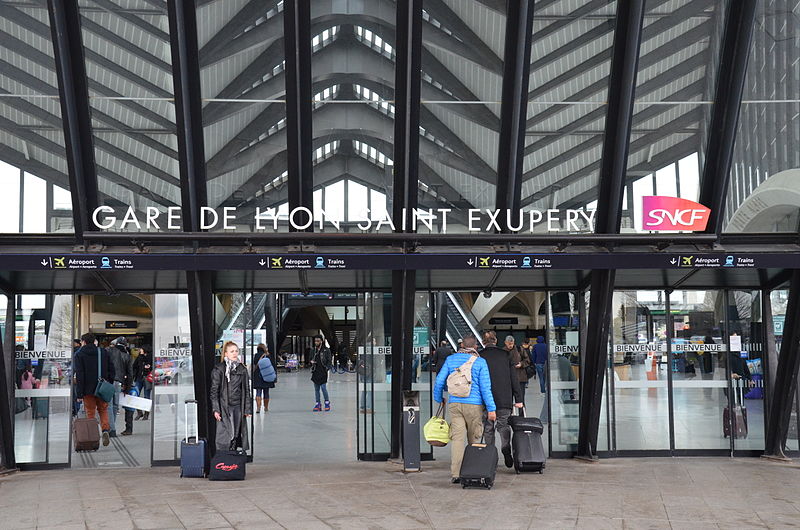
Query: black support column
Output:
(725,114)
(7,387)
(613,168)
(785,382)
(65,26)
(297,37)
(201,322)
(404,199)
(192,165)
(514,107)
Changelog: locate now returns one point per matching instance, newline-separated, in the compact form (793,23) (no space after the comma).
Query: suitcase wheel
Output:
(463,486)
(541,472)
(517,470)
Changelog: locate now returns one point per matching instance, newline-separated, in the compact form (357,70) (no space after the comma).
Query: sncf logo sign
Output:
(670,213)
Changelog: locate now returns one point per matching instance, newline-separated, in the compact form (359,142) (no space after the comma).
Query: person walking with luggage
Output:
(230,399)
(466,413)
(320,364)
(87,374)
(123,377)
(505,391)
(521,362)
(539,359)
(144,377)
(264,377)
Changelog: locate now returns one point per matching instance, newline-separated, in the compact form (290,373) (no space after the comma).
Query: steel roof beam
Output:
(188,111)
(725,114)
(65,24)
(613,166)
(514,108)
(299,133)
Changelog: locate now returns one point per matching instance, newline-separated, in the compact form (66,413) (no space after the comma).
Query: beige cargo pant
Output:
(464,419)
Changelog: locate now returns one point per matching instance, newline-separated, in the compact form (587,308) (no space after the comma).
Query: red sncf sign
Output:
(671,213)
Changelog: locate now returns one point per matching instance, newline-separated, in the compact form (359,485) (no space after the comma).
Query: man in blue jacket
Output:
(540,361)
(466,413)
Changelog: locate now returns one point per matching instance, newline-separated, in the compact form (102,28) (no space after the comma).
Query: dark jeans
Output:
(540,374)
(324,388)
(501,426)
(129,420)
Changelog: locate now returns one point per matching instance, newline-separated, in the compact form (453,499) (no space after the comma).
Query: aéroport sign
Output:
(658,214)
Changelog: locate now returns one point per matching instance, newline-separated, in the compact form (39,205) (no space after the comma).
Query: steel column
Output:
(725,114)
(299,131)
(7,387)
(785,382)
(514,107)
(407,103)
(201,322)
(403,291)
(613,168)
(65,26)
(188,110)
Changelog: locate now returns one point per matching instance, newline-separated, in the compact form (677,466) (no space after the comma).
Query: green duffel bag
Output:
(437,430)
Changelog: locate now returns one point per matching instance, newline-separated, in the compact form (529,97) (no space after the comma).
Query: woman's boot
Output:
(146,416)
(266,404)
(258,404)
(139,415)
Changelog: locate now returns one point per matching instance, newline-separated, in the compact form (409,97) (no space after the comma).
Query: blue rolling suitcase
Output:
(194,450)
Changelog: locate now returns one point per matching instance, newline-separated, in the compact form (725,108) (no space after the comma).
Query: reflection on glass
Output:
(174,377)
(374,374)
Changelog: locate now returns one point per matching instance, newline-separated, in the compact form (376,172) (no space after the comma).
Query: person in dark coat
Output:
(143,377)
(440,355)
(87,377)
(320,364)
(506,392)
(259,384)
(539,360)
(230,399)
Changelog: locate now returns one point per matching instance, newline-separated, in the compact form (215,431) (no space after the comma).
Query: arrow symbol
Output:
(470,262)
(44,263)
(673,261)
(262,262)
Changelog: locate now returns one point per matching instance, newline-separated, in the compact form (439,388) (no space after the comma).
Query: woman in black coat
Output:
(230,399)
(259,385)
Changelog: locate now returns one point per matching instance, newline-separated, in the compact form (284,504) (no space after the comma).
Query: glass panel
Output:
(568,84)
(43,395)
(174,377)
(243,87)
(779,299)
(699,380)
(460,114)
(564,369)
(31,130)
(763,194)
(747,362)
(674,88)
(128,63)
(374,374)
(422,371)
(639,367)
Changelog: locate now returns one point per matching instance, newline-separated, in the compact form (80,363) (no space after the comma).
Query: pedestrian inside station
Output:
(272,227)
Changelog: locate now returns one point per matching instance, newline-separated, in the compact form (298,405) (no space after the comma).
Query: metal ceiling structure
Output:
(246,107)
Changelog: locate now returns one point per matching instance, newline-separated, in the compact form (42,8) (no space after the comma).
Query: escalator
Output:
(459,321)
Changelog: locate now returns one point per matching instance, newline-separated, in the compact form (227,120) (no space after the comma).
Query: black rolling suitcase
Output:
(526,443)
(479,466)
(194,451)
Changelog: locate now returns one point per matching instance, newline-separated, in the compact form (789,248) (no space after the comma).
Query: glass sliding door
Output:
(700,378)
(374,369)
(746,341)
(174,377)
(563,369)
(43,371)
(639,371)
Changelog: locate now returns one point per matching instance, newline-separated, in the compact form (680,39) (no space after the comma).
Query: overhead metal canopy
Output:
(127,49)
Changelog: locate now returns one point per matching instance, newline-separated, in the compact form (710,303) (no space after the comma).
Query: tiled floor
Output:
(616,493)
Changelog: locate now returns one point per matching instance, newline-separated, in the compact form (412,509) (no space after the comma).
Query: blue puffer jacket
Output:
(481,392)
